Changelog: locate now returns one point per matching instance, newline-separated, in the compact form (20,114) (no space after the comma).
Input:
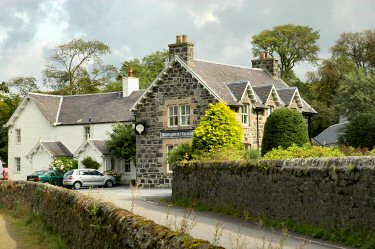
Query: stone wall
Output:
(88,223)
(175,88)
(335,193)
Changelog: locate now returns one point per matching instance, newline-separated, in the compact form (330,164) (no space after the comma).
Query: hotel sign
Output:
(177,134)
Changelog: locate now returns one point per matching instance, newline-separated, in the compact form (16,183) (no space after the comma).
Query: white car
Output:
(78,178)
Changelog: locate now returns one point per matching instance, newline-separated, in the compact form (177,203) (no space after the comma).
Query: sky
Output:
(220,29)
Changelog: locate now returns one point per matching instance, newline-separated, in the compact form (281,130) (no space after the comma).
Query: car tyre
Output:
(108,184)
(77,185)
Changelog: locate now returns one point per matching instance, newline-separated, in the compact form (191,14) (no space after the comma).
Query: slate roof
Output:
(85,109)
(330,136)
(263,92)
(101,146)
(237,88)
(286,94)
(57,149)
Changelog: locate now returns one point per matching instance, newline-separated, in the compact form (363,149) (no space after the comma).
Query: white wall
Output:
(34,127)
(89,151)
(41,160)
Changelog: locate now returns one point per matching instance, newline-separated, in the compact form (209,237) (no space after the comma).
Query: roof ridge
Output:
(44,94)
(90,94)
(264,85)
(286,88)
(229,65)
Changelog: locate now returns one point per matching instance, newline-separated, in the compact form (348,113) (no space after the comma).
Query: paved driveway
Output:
(235,234)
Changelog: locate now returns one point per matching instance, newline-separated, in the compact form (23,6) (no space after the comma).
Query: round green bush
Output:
(217,129)
(284,127)
(90,163)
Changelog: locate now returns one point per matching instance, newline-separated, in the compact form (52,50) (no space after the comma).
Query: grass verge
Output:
(361,239)
(30,230)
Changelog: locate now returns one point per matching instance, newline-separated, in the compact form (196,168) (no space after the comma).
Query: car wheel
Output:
(109,184)
(77,185)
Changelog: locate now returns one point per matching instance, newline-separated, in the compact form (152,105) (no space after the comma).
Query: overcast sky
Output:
(221,30)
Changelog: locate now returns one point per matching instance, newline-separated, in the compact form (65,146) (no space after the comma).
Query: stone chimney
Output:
(129,84)
(184,50)
(267,63)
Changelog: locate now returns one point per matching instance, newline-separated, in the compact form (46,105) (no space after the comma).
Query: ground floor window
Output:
(112,163)
(169,170)
(247,146)
(18,164)
(126,166)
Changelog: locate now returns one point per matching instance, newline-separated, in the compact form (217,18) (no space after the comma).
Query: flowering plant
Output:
(114,174)
(63,164)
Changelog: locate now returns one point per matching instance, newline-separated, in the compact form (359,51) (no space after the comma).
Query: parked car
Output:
(78,178)
(53,177)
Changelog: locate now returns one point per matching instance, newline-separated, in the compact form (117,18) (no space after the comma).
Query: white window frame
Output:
(18,136)
(169,148)
(247,146)
(185,115)
(173,116)
(270,109)
(18,164)
(126,166)
(87,135)
(245,114)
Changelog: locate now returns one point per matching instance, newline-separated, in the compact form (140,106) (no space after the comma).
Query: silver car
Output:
(78,178)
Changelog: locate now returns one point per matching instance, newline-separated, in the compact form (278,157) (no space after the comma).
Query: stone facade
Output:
(334,193)
(176,87)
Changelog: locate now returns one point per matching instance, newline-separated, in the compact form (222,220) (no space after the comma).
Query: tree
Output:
(146,69)
(23,84)
(68,68)
(284,127)
(356,101)
(292,43)
(217,129)
(8,104)
(359,46)
(122,141)
(323,88)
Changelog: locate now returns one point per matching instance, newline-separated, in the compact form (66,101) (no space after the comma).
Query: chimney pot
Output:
(261,55)
(178,39)
(267,54)
(130,72)
(184,38)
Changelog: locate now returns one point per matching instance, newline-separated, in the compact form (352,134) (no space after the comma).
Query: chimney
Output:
(267,63)
(184,50)
(129,84)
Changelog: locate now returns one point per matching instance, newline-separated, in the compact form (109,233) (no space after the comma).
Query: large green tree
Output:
(146,69)
(358,46)
(23,84)
(76,67)
(8,104)
(356,98)
(121,141)
(291,43)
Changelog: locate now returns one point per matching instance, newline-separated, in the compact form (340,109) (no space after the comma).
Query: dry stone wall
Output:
(335,193)
(88,223)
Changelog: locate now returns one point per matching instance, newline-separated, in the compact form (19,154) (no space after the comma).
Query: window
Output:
(172,116)
(247,146)
(18,164)
(112,163)
(245,114)
(269,110)
(185,115)
(169,147)
(87,132)
(126,168)
(18,136)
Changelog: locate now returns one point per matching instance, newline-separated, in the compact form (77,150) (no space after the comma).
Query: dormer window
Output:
(245,114)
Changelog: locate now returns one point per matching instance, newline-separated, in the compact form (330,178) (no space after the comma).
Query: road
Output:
(235,232)
(6,241)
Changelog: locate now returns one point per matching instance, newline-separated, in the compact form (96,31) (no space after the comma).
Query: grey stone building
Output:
(171,108)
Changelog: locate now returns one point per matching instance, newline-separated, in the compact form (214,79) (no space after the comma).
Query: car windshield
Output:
(38,173)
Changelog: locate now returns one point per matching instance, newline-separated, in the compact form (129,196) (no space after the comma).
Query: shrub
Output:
(221,154)
(180,153)
(63,164)
(251,154)
(121,143)
(306,151)
(114,174)
(90,163)
(351,151)
(284,127)
(218,129)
